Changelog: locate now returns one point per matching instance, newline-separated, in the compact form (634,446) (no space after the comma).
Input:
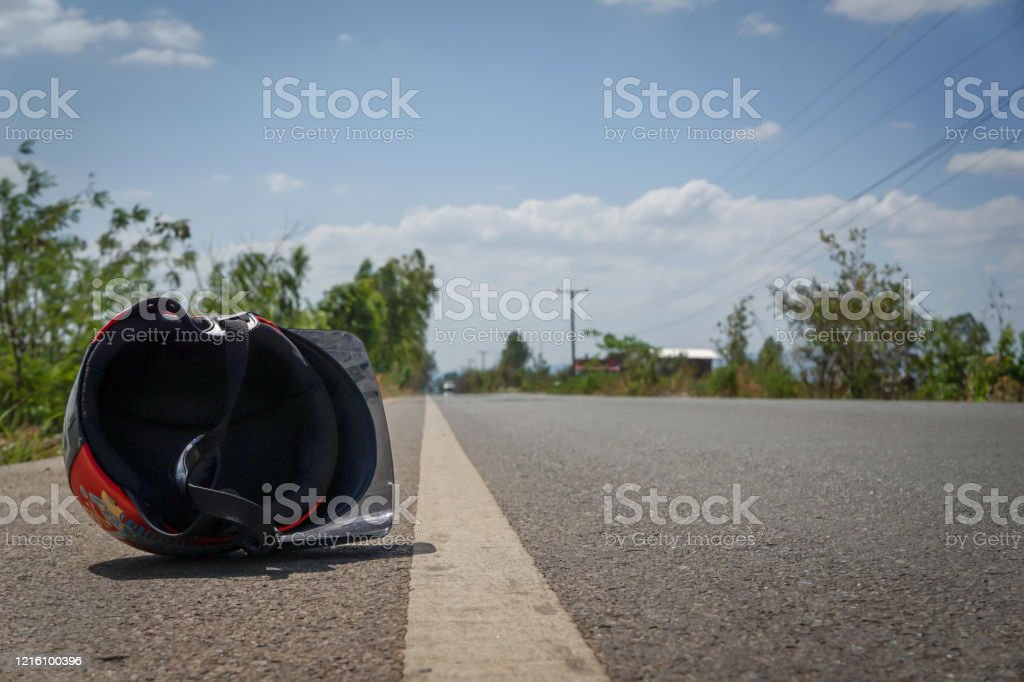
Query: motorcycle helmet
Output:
(194,435)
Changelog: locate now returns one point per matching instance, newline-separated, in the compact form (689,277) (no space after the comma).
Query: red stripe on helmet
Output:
(109,506)
(110,323)
(302,519)
(266,321)
(103,499)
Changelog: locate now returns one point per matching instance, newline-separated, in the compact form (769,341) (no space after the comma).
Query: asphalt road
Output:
(851,578)
(318,614)
(850,571)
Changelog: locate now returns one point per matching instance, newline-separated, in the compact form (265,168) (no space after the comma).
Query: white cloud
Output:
(671,238)
(168,32)
(342,189)
(658,5)
(758,25)
(886,11)
(950,227)
(903,125)
(32,26)
(44,26)
(697,228)
(219,179)
(165,57)
(989,162)
(344,39)
(281,182)
(766,131)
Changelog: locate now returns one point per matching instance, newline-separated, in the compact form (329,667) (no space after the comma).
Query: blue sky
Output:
(508,178)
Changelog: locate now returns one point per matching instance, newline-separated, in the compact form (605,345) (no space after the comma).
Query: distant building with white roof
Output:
(701,359)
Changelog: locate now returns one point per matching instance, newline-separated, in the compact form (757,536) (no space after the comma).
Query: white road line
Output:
(478,606)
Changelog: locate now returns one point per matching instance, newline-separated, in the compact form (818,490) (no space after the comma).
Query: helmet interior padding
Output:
(140,411)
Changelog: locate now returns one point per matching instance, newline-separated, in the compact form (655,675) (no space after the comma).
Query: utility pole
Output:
(572,324)
(483,360)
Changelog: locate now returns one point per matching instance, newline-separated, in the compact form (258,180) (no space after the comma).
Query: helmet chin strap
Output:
(196,468)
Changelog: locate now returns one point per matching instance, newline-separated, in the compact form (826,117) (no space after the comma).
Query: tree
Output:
(515,354)
(52,283)
(1000,375)
(772,374)
(272,283)
(388,308)
(732,343)
(639,361)
(540,366)
(770,357)
(846,346)
(511,369)
(950,353)
(358,307)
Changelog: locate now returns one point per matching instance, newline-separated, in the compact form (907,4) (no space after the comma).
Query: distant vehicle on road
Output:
(448,387)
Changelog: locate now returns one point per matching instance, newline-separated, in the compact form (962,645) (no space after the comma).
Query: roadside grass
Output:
(389,388)
(26,443)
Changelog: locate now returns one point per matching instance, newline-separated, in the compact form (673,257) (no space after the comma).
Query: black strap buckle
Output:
(196,468)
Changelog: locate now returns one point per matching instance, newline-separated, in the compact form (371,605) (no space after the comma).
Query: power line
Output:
(759,281)
(875,121)
(932,190)
(934,150)
(860,86)
(832,85)
(691,289)
(814,100)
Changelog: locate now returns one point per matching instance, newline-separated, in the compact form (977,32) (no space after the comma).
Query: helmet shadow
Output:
(276,566)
